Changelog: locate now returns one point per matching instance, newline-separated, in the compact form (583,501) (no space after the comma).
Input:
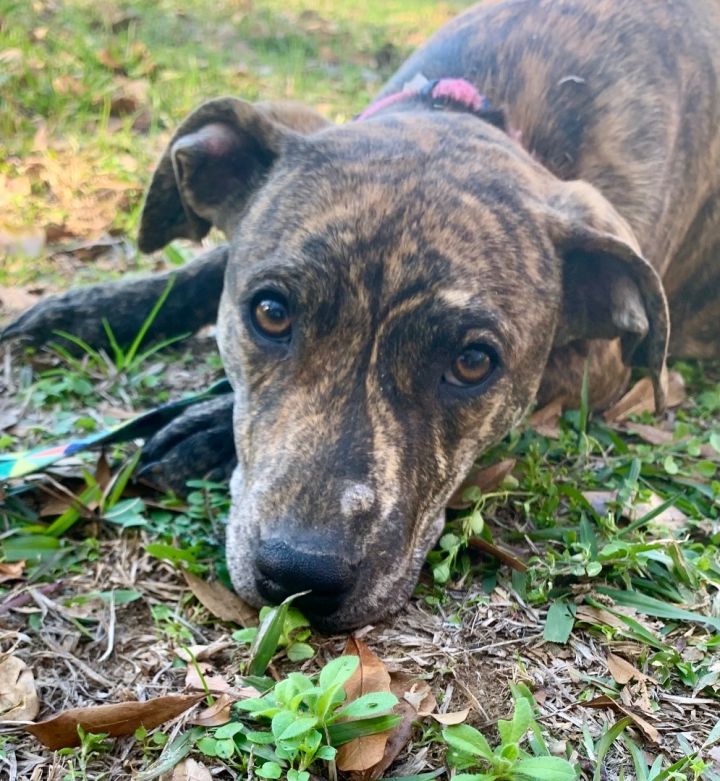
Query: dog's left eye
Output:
(270,316)
(471,367)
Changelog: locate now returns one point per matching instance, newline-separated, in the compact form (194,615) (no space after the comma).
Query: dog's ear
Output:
(217,158)
(609,289)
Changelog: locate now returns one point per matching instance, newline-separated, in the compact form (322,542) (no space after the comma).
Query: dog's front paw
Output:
(74,312)
(196,445)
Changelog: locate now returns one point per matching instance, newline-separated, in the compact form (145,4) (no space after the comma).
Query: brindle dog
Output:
(399,290)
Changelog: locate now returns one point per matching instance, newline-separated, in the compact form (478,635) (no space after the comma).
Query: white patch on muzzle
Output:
(357,498)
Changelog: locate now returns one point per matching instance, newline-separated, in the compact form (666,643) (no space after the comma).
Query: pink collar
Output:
(441,93)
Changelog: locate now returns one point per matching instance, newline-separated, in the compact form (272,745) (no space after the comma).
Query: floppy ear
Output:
(217,158)
(609,290)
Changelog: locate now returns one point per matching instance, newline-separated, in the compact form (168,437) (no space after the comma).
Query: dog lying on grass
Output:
(535,191)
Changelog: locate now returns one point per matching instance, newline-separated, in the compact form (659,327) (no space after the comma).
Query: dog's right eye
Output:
(270,316)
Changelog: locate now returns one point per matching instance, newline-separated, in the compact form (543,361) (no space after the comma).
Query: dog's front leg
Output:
(197,444)
(192,302)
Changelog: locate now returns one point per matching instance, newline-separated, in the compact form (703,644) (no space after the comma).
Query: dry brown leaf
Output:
(546,421)
(221,602)
(640,398)
(487,479)
(651,434)
(594,615)
(477,543)
(103,472)
(415,692)
(129,96)
(11,570)
(455,717)
(121,718)
(15,299)
(415,701)
(670,518)
(201,653)
(643,724)
(109,60)
(199,678)
(622,671)
(216,714)
(395,743)
(190,770)
(18,695)
(370,676)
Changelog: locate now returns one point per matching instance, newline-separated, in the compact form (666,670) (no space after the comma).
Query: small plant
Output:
(90,745)
(308,720)
(295,630)
(469,749)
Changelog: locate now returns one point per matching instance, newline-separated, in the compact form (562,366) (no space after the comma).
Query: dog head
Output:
(393,292)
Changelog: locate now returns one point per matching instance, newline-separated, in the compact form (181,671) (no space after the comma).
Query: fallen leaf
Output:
(415,700)
(394,744)
(201,653)
(221,602)
(643,724)
(486,479)
(190,770)
(129,96)
(546,421)
(10,414)
(600,616)
(651,434)
(415,692)
(121,718)
(370,676)
(197,677)
(16,299)
(216,714)
(640,398)
(449,719)
(18,695)
(103,472)
(11,571)
(670,518)
(622,671)
(479,544)
(109,60)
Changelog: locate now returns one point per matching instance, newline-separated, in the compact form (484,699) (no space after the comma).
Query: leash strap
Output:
(143,426)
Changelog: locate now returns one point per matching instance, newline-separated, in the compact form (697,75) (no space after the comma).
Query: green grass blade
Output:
(118,352)
(266,641)
(650,606)
(73,514)
(142,357)
(118,485)
(175,751)
(603,745)
(149,320)
(81,343)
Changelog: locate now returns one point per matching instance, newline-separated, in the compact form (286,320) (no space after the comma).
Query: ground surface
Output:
(616,520)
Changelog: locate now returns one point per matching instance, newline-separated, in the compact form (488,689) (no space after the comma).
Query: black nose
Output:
(284,569)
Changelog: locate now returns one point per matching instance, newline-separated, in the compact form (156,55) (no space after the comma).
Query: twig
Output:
(26,597)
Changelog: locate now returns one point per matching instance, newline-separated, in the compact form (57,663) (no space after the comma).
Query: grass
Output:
(614,540)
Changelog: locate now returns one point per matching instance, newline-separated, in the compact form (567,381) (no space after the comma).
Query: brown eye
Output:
(474,364)
(271,317)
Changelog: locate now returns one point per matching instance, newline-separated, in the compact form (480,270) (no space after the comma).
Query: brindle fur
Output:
(400,238)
